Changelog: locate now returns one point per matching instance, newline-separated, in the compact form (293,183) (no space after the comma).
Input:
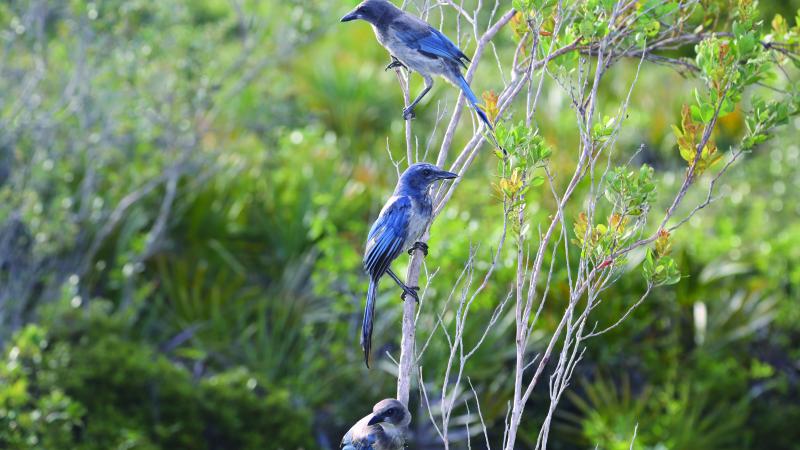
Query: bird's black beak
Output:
(352,15)
(376,418)
(445,175)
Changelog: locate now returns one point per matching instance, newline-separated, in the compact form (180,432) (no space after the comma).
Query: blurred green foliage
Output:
(76,381)
(232,321)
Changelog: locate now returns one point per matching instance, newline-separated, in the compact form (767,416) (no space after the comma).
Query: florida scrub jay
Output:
(401,223)
(414,44)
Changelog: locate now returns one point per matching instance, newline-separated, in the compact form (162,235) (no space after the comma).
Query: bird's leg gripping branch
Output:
(407,290)
(395,63)
(419,245)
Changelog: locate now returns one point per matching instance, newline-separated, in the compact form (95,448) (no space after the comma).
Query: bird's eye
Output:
(391,412)
(426,172)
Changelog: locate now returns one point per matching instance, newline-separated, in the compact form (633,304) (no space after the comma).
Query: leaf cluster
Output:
(690,135)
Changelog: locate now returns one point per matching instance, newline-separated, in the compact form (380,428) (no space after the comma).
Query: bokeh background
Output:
(185,189)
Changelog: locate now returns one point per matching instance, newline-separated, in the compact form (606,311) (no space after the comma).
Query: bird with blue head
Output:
(399,226)
(383,429)
(414,44)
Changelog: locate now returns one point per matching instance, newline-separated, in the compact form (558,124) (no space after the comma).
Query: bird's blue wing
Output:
(358,445)
(362,443)
(431,42)
(388,233)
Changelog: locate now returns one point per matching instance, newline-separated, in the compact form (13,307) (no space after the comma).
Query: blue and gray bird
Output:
(399,226)
(384,429)
(415,45)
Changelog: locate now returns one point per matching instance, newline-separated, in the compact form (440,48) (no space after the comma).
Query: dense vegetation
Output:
(185,188)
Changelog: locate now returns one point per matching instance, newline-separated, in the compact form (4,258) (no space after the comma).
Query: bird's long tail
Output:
(369,313)
(473,100)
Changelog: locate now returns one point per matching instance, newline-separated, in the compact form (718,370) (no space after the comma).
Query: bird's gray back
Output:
(411,57)
(372,437)
(358,437)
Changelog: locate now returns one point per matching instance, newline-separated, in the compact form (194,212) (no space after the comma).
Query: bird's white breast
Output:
(417,223)
(395,437)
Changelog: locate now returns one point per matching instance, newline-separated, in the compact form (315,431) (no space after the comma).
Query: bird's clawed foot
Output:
(412,291)
(408,113)
(419,246)
(395,63)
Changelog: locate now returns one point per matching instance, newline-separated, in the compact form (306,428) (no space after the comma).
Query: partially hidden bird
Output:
(384,429)
(414,44)
(399,226)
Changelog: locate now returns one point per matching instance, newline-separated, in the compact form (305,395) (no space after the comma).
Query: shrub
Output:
(78,382)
